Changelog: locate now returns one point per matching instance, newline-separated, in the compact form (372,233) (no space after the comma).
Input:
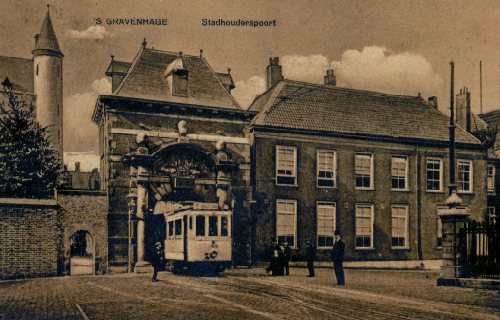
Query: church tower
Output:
(48,85)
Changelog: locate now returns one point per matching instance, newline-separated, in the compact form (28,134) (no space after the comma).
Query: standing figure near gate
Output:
(157,260)
(338,258)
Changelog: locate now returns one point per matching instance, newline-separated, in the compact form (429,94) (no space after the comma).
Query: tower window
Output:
(37,70)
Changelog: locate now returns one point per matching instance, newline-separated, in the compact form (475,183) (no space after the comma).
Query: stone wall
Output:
(88,211)
(30,237)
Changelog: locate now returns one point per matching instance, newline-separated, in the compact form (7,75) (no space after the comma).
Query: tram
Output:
(198,238)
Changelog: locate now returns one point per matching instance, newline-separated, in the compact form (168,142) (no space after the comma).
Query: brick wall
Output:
(88,211)
(307,194)
(30,236)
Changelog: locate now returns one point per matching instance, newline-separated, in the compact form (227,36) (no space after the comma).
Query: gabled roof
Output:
(146,80)
(303,106)
(46,40)
(19,71)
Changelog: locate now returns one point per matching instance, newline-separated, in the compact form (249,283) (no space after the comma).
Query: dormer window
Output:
(180,82)
(177,77)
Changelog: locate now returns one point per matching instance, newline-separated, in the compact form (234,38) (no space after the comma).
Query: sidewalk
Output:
(384,265)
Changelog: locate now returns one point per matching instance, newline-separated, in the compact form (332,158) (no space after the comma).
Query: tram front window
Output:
(223,227)
(212,226)
(200,226)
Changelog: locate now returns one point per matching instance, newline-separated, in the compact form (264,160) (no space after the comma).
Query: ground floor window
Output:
(286,217)
(399,226)
(325,223)
(364,226)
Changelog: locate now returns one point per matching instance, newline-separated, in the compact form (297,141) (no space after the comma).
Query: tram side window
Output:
(200,226)
(212,226)
(170,229)
(178,227)
(224,232)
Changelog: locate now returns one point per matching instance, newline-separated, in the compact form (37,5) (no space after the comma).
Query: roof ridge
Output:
(326,87)
(222,85)
(174,53)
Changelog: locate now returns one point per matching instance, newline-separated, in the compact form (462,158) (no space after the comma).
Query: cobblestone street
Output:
(247,294)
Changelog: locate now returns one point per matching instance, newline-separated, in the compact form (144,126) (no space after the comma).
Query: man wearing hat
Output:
(157,260)
(310,257)
(338,258)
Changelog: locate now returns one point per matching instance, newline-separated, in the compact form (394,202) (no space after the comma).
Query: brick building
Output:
(372,165)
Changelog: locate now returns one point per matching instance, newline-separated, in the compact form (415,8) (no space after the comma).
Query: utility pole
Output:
(481,85)
(452,185)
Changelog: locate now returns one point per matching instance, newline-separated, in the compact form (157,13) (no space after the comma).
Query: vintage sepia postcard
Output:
(322,159)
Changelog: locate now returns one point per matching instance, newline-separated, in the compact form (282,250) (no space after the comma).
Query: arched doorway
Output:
(82,253)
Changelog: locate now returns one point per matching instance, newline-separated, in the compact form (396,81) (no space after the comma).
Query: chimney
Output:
(463,112)
(273,72)
(433,101)
(77,166)
(330,79)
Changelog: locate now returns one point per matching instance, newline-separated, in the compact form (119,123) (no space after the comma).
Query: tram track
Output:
(342,307)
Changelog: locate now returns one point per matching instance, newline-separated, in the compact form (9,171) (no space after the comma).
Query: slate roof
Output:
(304,106)
(46,40)
(146,80)
(19,71)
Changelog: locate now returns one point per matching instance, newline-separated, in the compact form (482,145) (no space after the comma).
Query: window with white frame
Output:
(464,170)
(399,173)
(286,217)
(326,163)
(490,178)
(434,174)
(363,171)
(326,212)
(286,165)
(364,226)
(399,226)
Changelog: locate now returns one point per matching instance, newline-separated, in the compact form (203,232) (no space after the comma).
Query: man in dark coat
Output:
(287,257)
(338,258)
(273,254)
(157,260)
(310,257)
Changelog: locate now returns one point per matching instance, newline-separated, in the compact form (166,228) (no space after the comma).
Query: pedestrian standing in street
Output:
(281,260)
(338,258)
(272,253)
(310,257)
(157,260)
(288,257)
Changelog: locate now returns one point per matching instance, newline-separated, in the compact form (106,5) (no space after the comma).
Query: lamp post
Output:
(455,217)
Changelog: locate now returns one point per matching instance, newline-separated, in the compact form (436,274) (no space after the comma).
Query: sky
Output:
(400,47)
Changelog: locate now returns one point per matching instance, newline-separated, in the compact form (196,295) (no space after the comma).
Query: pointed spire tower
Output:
(48,85)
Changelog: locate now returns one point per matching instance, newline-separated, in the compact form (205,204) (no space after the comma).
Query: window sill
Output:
(400,248)
(364,249)
(287,185)
(434,191)
(325,248)
(328,188)
(364,189)
(400,190)
(466,192)
(439,248)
